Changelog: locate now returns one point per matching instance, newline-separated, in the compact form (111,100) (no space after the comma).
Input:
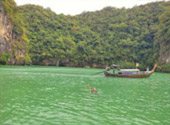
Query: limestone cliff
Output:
(8,40)
(164,53)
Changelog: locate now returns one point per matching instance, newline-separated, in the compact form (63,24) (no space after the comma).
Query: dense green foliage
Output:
(12,12)
(4,58)
(164,27)
(94,38)
(97,39)
(127,34)
(166,68)
(49,40)
(163,35)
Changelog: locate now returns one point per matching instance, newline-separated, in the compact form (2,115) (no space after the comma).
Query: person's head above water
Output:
(94,89)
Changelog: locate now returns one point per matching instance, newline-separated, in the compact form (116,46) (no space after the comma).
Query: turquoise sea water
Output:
(35,95)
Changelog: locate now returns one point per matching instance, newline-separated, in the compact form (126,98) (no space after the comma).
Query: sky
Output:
(74,7)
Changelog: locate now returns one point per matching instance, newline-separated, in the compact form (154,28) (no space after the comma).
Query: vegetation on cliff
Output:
(4,58)
(19,38)
(162,37)
(166,68)
(50,41)
(94,38)
(100,38)
(12,11)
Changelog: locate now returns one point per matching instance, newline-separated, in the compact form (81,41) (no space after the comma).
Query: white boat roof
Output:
(129,70)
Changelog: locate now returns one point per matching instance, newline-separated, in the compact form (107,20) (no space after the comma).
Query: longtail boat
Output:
(129,73)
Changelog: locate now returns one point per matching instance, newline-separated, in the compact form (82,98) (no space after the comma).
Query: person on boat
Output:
(93,90)
(137,65)
(107,69)
(147,69)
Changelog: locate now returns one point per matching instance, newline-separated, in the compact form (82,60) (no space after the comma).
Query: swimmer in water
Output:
(94,89)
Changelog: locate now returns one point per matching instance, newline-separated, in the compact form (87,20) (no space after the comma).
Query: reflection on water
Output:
(50,95)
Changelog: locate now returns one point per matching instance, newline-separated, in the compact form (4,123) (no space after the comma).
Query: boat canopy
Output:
(129,70)
(114,65)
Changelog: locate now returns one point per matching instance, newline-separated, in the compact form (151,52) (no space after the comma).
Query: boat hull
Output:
(130,75)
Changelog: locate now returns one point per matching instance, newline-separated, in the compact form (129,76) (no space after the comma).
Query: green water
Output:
(56,95)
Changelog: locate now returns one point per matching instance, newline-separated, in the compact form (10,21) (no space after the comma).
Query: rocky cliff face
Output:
(8,40)
(164,53)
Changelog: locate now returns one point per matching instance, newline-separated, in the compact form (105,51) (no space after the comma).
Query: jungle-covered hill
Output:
(111,35)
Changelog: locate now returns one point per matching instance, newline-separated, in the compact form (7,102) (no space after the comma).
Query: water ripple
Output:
(60,96)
